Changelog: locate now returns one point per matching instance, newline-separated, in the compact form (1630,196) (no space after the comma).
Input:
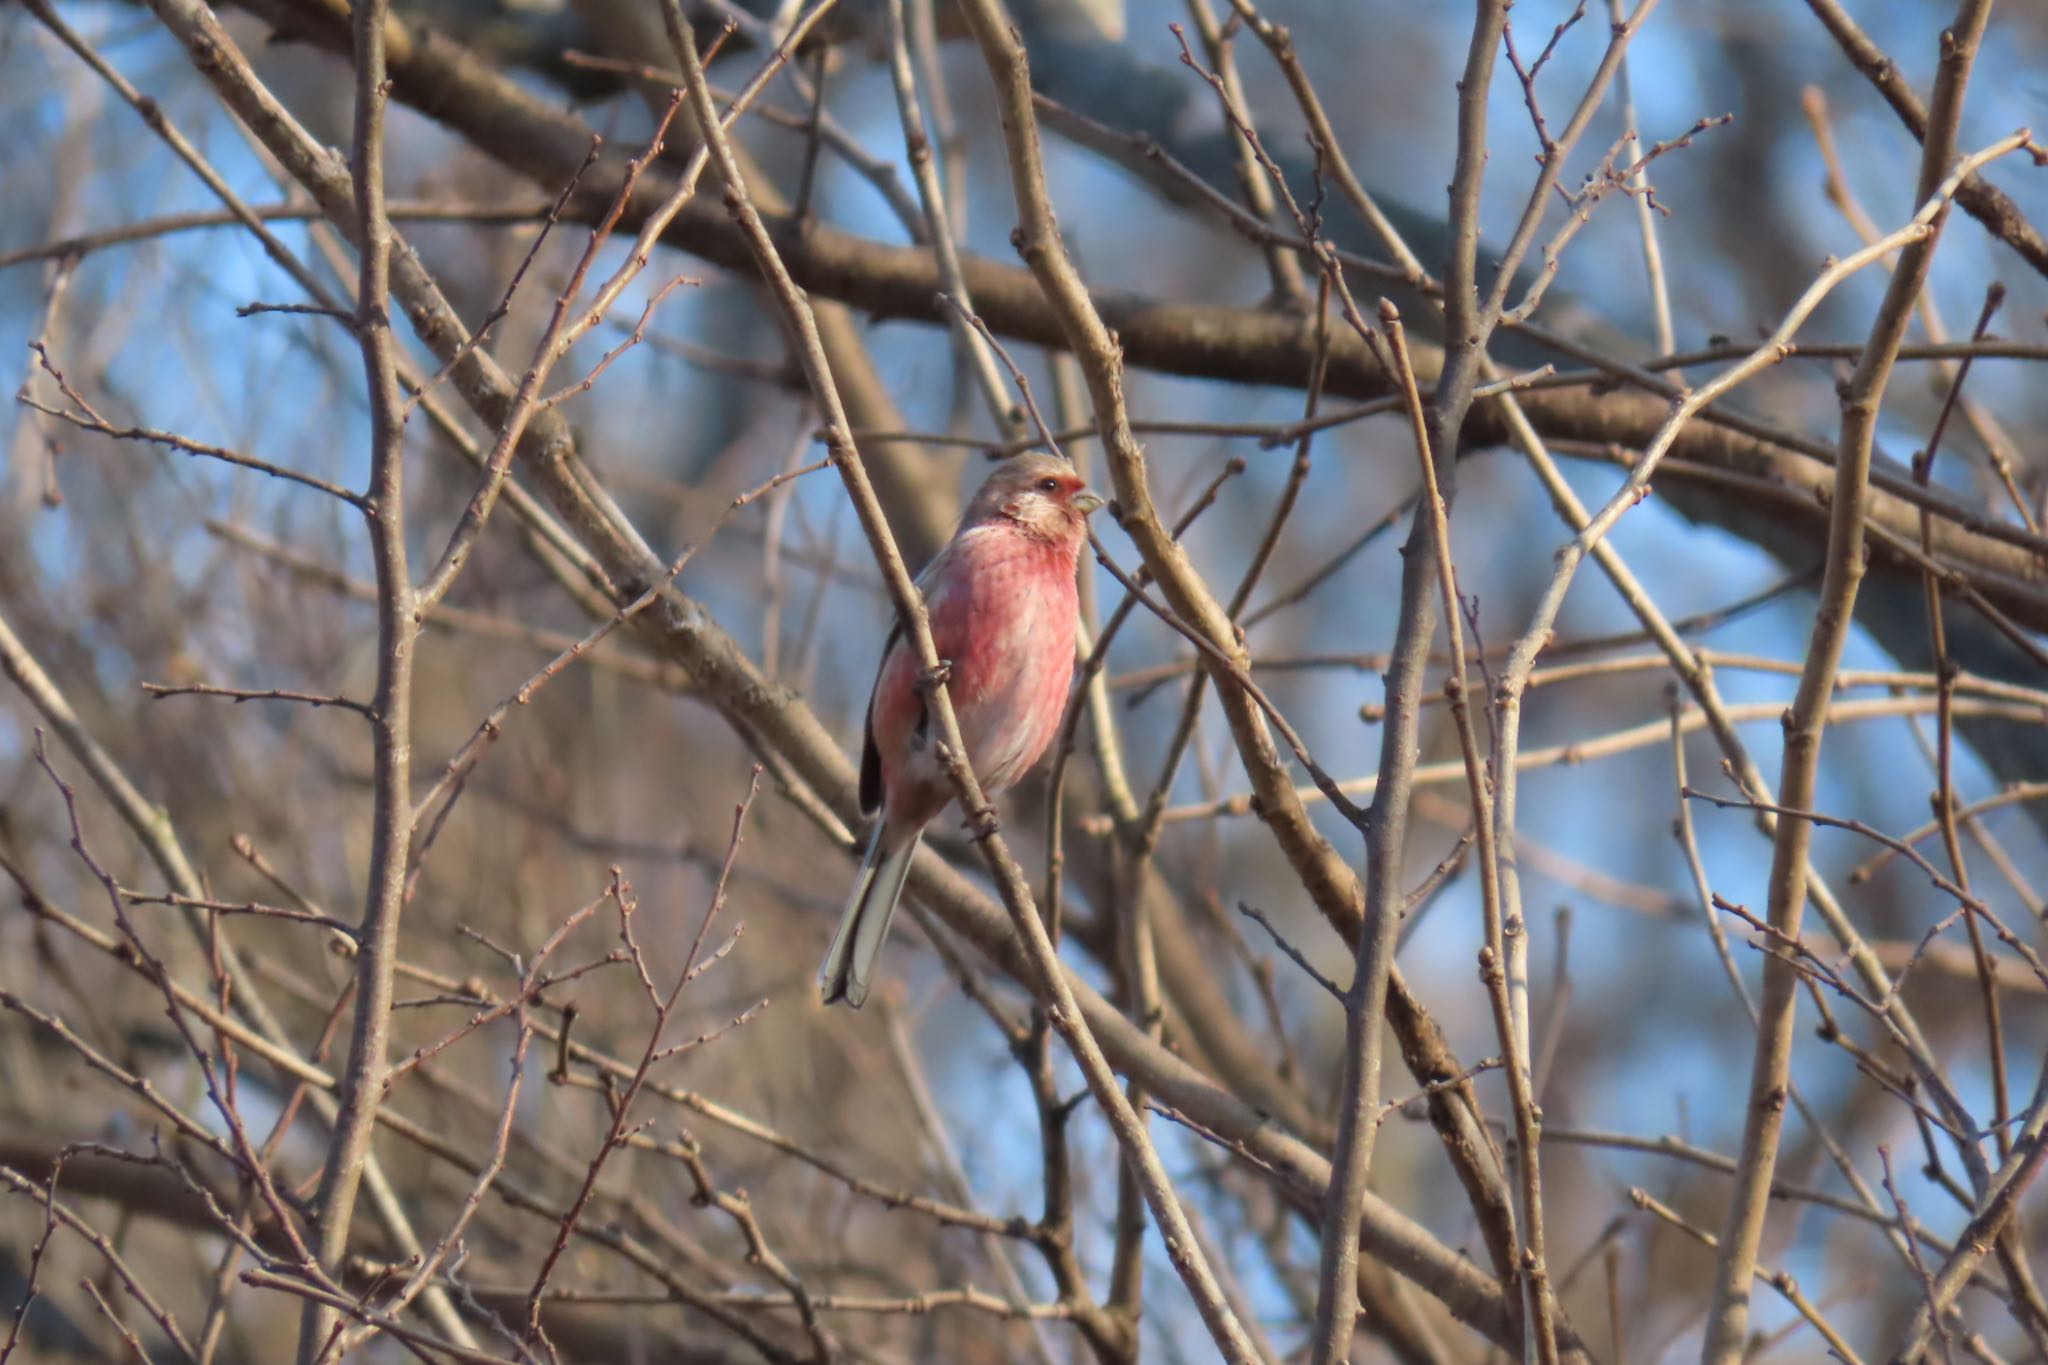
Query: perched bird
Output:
(1001,601)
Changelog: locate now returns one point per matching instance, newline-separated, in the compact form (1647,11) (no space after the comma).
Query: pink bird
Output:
(1002,606)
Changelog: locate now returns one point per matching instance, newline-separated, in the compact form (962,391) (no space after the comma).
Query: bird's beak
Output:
(1087,502)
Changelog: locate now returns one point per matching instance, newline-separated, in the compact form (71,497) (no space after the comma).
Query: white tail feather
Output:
(864,924)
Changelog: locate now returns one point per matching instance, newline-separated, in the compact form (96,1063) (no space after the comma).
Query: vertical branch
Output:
(947,1158)
(1510,1015)
(1944,760)
(1047,979)
(1281,264)
(391,728)
(1728,1320)
(931,195)
(1646,212)
(952,140)
(1359,1104)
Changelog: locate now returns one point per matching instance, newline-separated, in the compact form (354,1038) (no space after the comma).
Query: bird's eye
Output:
(1049,485)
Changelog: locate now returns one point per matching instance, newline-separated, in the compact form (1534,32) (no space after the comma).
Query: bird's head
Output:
(1041,494)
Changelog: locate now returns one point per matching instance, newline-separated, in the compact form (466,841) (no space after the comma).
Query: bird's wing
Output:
(870,756)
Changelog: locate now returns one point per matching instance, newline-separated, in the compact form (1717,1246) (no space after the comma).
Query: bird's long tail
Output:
(864,924)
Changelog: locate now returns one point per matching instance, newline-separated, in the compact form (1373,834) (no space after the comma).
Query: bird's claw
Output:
(939,676)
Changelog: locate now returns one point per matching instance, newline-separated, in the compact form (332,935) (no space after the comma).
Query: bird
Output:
(1003,607)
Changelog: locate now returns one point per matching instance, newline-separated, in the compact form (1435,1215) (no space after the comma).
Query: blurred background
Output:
(125,562)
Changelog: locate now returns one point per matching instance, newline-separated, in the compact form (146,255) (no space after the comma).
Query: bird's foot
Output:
(935,678)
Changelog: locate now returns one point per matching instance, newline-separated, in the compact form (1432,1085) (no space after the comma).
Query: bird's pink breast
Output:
(1002,609)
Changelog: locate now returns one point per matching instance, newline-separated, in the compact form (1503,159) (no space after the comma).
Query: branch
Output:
(1049,982)
(1728,1322)
(1373,964)
(362,1083)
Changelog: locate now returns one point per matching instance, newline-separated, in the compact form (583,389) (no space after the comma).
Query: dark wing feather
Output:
(870,757)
